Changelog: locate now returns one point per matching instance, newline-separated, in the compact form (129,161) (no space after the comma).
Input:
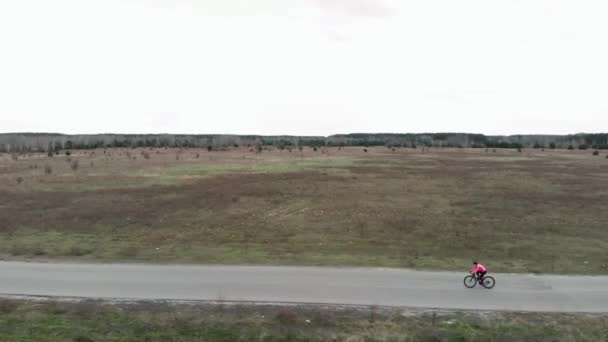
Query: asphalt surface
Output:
(358,286)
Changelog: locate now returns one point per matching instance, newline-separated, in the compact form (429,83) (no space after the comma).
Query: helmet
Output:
(475,262)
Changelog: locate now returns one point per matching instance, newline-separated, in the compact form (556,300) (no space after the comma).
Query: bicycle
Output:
(471,281)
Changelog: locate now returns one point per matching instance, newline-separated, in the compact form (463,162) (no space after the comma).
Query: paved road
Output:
(360,286)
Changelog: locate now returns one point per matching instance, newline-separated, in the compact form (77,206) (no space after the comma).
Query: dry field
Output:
(534,211)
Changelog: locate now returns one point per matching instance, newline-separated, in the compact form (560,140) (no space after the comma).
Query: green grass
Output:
(329,165)
(96,321)
(135,245)
(175,175)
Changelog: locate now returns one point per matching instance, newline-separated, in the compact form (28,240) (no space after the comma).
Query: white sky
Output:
(303,66)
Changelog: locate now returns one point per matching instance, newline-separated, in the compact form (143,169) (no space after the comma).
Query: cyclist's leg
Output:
(480,276)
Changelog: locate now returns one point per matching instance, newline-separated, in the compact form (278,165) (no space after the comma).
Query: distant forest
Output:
(52,142)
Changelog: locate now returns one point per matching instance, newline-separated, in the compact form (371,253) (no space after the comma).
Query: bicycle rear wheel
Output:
(488,282)
(470,281)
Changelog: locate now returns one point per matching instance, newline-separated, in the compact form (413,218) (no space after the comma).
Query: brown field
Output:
(535,211)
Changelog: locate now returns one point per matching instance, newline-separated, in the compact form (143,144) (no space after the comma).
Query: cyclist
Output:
(479,270)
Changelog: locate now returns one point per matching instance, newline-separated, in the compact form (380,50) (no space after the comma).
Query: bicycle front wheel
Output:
(470,281)
(488,282)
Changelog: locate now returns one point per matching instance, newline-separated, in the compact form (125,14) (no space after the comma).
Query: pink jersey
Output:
(478,268)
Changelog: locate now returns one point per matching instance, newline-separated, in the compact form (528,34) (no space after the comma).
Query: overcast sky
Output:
(313,67)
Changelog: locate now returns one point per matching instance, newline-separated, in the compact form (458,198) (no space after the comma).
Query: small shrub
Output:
(37,251)
(596,153)
(128,252)
(18,249)
(146,155)
(48,169)
(19,180)
(314,148)
(56,309)
(373,313)
(83,338)
(7,307)
(365,150)
(74,165)
(78,251)
(209,148)
(570,147)
(68,153)
(286,316)
(519,149)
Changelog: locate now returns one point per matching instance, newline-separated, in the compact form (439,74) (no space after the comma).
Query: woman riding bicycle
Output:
(479,270)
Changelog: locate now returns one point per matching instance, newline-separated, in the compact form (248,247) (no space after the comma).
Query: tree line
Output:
(53,142)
